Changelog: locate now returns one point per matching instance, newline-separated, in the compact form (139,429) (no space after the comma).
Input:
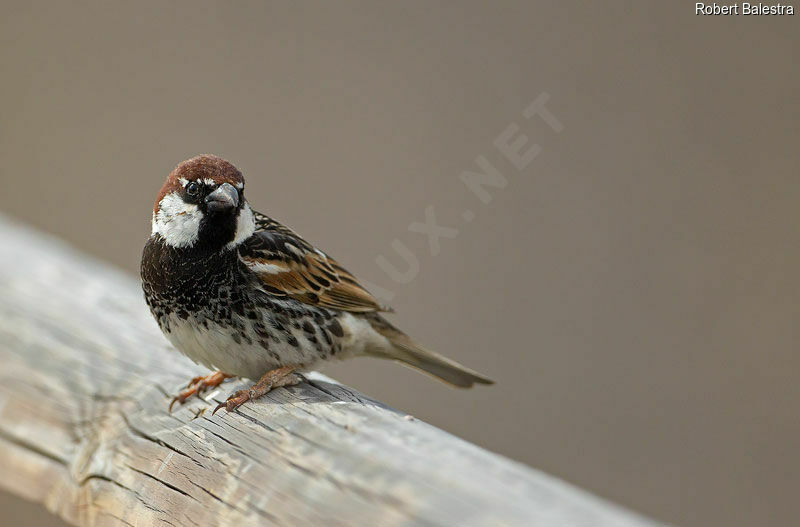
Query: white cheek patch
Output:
(177,222)
(245,226)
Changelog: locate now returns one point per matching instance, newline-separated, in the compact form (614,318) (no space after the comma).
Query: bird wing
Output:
(289,266)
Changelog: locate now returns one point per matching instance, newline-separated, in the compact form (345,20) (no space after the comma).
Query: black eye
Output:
(193,189)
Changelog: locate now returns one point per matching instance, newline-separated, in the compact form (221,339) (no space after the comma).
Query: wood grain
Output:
(85,379)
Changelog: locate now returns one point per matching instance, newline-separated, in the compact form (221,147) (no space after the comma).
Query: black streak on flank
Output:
(336,328)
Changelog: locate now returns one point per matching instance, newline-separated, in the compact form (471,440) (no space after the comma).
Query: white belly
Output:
(215,348)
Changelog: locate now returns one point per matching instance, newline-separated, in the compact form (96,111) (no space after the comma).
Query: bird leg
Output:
(198,385)
(284,376)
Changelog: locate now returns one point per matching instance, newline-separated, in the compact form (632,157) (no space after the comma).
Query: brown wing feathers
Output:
(289,266)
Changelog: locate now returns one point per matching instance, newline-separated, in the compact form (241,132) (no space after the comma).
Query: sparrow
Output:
(245,296)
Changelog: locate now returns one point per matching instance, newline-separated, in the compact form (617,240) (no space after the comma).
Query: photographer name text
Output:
(742,9)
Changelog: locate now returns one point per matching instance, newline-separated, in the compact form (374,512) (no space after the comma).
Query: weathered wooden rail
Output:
(85,378)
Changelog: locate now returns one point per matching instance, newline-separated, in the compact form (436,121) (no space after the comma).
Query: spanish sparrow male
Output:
(241,294)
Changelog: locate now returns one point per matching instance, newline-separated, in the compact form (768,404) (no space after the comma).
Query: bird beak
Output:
(223,199)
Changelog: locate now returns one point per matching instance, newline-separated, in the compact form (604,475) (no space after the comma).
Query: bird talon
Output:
(195,380)
(174,400)
(236,400)
(197,386)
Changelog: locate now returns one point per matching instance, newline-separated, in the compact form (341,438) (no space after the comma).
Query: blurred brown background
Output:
(633,290)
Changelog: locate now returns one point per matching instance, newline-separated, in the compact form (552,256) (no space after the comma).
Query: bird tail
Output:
(409,353)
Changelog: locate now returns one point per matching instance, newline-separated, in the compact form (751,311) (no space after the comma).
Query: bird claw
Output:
(236,400)
(184,395)
(178,398)
(196,380)
(197,386)
(276,378)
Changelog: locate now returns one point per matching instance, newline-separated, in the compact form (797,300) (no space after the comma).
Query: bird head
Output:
(202,205)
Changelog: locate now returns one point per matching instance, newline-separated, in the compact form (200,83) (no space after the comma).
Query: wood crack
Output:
(30,447)
(161,481)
